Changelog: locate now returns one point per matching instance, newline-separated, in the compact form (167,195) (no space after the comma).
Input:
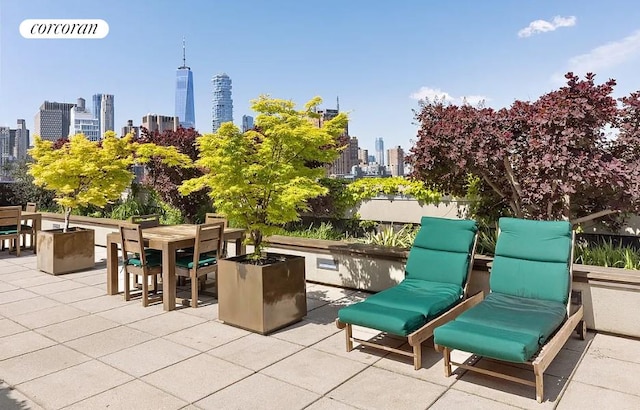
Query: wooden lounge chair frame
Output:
(416,338)
(543,358)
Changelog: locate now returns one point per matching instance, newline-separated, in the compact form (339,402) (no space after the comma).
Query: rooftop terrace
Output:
(65,344)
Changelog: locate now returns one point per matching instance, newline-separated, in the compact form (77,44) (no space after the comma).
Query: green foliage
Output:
(487,238)
(335,203)
(367,188)
(25,190)
(83,173)
(324,231)
(265,176)
(607,254)
(388,236)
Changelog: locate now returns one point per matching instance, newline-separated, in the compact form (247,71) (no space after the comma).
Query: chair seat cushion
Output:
(153,260)
(404,308)
(503,327)
(187,261)
(8,230)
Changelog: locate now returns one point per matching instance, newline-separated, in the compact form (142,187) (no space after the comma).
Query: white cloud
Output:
(603,57)
(542,26)
(436,93)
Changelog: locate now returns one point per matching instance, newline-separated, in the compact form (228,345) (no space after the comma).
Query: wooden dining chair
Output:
(137,263)
(146,221)
(10,226)
(213,217)
(207,251)
(29,229)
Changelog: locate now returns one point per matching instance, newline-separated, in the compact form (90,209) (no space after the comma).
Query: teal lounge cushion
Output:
(187,261)
(404,308)
(503,327)
(152,260)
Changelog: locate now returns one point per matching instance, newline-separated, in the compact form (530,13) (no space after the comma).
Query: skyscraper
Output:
(380,151)
(21,142)
(83,122)
(160,123)
(103,111)
(130,129)
(396,161)
(247,123)
(184,93)
(222,107)
(53,120)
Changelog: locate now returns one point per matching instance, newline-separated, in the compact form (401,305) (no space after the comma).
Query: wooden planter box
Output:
(64,252)
(262,298)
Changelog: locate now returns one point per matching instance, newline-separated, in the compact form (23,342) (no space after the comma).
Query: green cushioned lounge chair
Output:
(528,315)
(433,291)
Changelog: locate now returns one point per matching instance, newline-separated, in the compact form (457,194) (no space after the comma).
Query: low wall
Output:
(408,210)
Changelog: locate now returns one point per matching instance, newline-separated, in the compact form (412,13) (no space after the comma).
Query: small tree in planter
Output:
(81,173)
(260,179)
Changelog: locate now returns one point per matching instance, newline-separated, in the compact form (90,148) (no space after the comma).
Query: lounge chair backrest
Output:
(533,259)
(442,250)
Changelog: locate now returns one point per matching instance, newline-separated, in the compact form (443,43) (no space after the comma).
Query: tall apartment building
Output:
(363,156)
(185,110)
(247,123)
(130,128)
(160,123)
(104,111)
(347,160)
(396,161)
(380,151)
(222,104)
(83,122)
(20,142)
(5,152)
(53,120)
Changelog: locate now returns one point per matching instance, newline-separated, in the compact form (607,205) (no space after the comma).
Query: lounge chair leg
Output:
(539,384)
(582,329)
(347,332)
(446,354)
(417,356)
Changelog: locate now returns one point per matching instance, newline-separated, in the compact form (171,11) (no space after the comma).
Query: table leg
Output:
(112,268)
(37,223)
(168,276)
(241,248)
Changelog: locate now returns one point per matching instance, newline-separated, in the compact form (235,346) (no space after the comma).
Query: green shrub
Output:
(607,254)
(388,236)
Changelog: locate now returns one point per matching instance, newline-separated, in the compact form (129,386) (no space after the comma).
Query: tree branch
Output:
(593,216)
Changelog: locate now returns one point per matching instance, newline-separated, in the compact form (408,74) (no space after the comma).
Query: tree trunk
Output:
(67,215)
(256,237)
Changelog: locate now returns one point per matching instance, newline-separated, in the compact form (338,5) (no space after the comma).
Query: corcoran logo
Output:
(64,28)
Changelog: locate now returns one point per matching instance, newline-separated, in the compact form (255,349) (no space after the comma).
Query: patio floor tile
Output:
(12,399)
(259,392)
(455,399)
(132,395)
(314,370)
(76,328)
(206,336)
(71,385)
(610,373)
(326,403)
(21,343)
(49,316)
(92,280)
(27,306)
(148,357)
(5,287)
(255,351)
(9,327)
(336,345)
(327,293)
(109,341)
(102,303)
(615,347)
(197,377)
(74,295)
(39,363)
(306,333)
(376,388)
(167,323)
(131,312)
(16,295)
(585,396)
(55,287)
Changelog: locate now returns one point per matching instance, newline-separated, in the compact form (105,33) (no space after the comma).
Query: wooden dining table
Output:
(168,239)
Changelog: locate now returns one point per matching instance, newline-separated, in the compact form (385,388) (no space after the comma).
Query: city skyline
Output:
(498,52)
(185,110)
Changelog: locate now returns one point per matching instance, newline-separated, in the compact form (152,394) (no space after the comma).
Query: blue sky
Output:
(378,57)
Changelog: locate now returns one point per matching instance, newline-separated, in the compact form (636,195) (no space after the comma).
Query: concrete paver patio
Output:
(64,344)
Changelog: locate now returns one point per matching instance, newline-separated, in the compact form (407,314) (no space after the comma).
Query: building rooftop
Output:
(65,344)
